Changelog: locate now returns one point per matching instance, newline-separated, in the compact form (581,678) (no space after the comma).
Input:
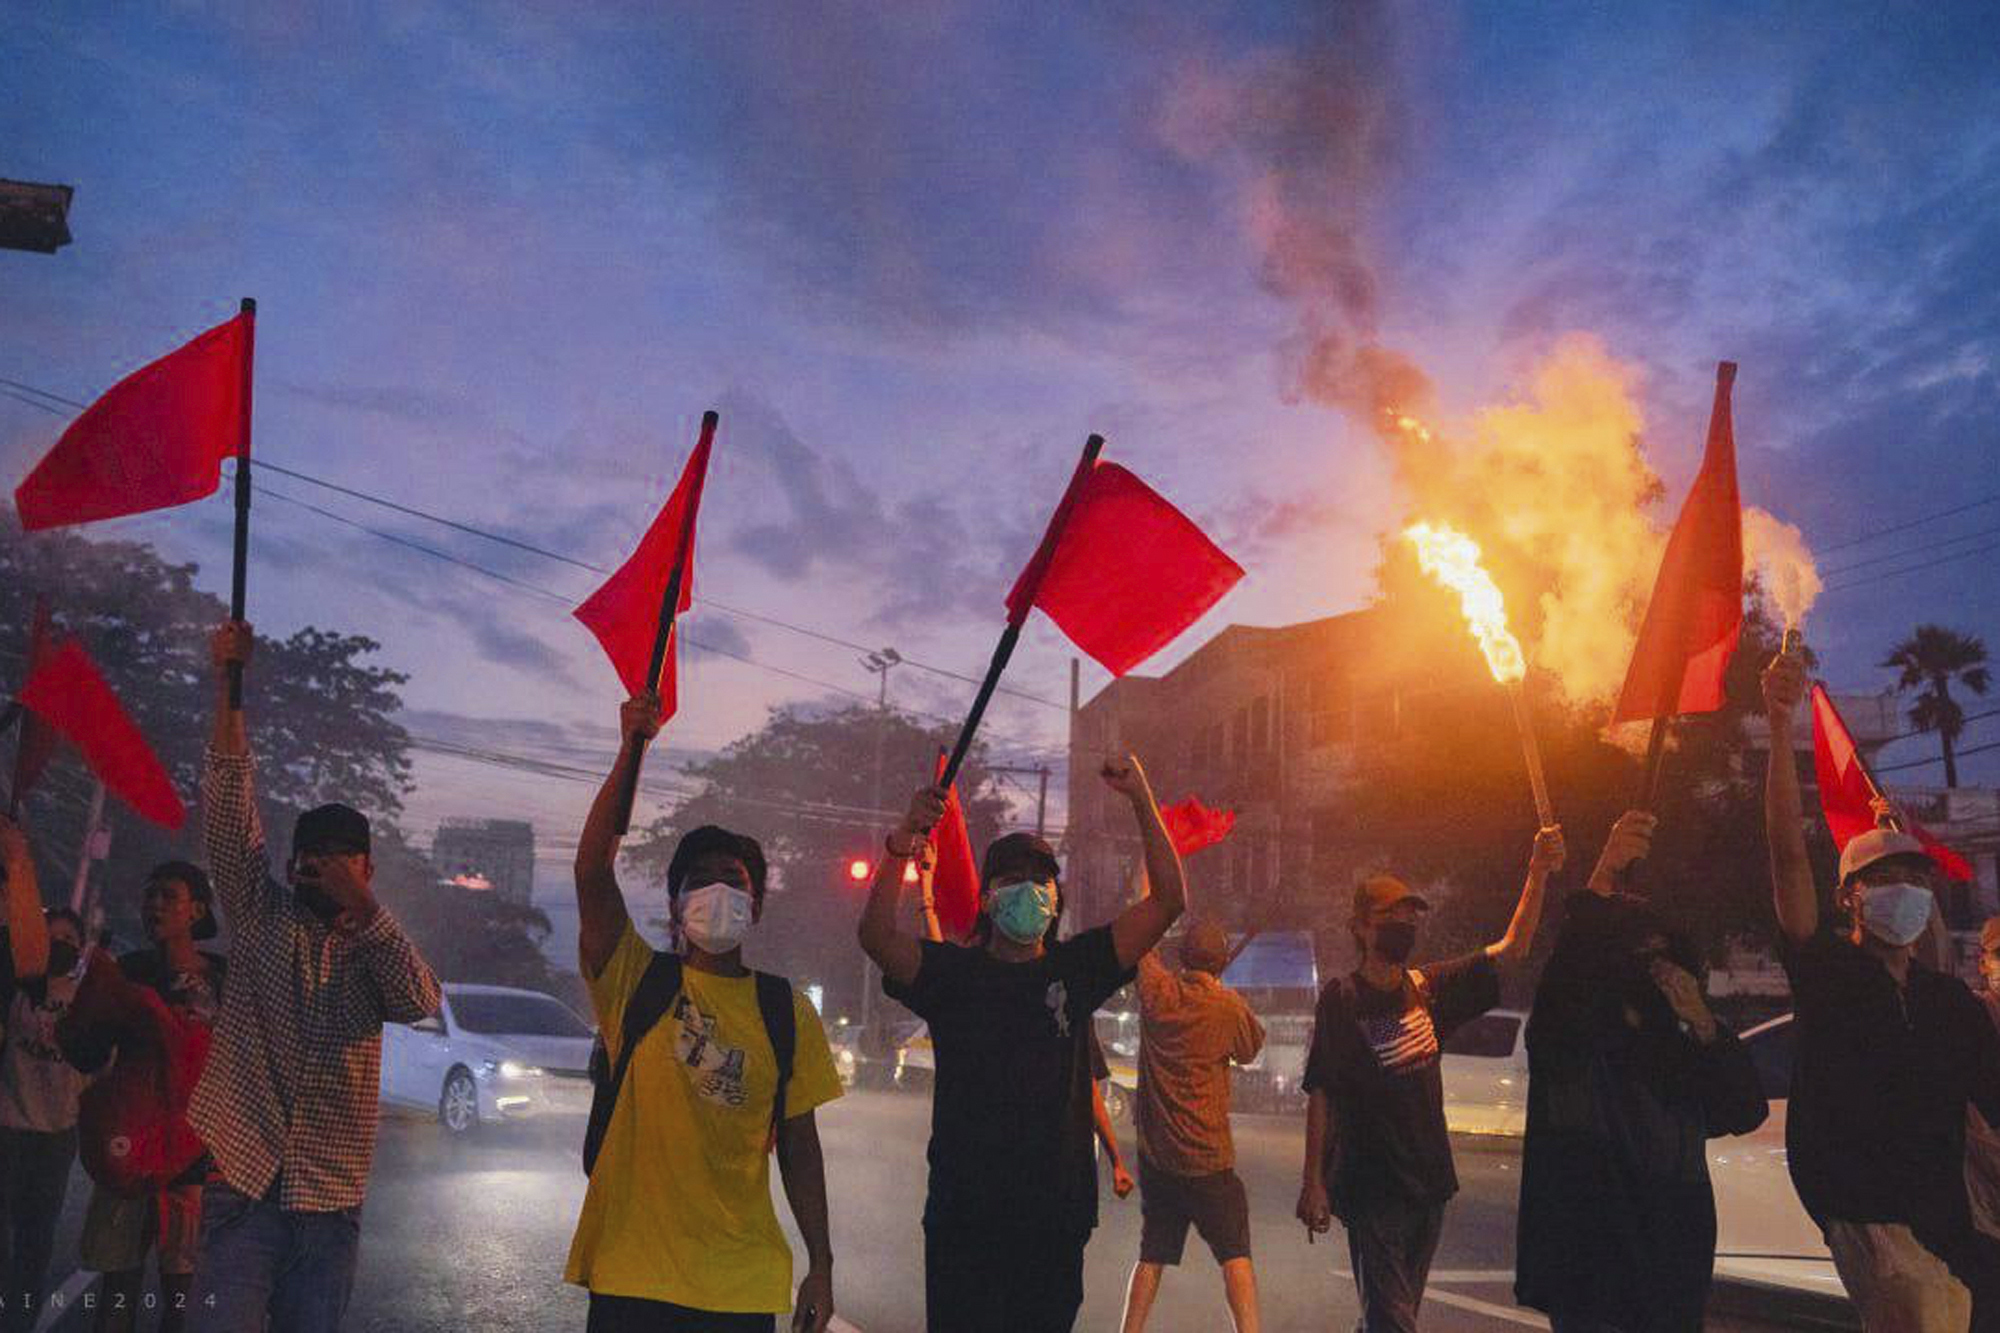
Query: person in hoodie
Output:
(1629,1076)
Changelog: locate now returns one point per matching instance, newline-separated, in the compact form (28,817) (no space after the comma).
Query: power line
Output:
(530,548)
(1912,569)
(1916,522)
(1956,754)
(1974,535)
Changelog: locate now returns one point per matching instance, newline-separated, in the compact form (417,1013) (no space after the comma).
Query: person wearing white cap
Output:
(1890,1055)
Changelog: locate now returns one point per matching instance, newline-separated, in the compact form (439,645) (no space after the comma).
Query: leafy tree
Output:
(1935,657)
(324,726)
(804,785)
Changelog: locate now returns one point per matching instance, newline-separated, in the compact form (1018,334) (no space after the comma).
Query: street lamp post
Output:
(881,662)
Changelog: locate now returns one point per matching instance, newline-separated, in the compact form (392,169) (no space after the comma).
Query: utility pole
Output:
(881,662)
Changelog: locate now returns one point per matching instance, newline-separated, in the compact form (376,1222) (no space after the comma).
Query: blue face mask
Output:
(1021,910)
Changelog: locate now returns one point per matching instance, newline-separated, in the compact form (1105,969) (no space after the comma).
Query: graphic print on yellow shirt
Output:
(679,1206)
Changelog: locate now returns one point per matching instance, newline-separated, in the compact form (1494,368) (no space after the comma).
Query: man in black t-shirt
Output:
(1891,1053)
(1013,1174)
(1377,1152)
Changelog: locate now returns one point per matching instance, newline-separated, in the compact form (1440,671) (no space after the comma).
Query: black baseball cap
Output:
(331,828)
(1019,852)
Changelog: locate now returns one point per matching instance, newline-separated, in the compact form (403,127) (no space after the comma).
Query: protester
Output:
(38,1088)
(1629,1076)
(1377,1152)
(714,1066)
(164,1043)
(1013,1176)
(287,1103)
(1890,1055)
(1982,1148)
(1192,1028)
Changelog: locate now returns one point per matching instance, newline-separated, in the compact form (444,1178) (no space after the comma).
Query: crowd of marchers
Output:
(225,1109)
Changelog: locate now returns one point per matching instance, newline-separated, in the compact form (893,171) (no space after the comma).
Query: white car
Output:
(490,1053)
(1485,1071)
(1763,1236)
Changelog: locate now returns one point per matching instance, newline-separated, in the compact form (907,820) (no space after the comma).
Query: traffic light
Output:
(859,870)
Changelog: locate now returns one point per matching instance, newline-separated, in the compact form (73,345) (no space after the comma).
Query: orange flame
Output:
(1452,558)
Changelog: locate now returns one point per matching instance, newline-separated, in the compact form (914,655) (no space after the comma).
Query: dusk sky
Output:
(505,255)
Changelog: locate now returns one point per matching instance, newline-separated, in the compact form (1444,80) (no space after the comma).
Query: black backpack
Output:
(658,986)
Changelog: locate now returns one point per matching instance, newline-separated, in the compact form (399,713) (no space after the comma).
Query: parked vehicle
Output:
(490,1053)
(1763,1236)
(1278,974)
(1485,1070)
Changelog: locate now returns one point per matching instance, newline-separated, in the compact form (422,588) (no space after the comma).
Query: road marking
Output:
(57,1303)
(839,1325)
(1472,1275)
(1488,1308)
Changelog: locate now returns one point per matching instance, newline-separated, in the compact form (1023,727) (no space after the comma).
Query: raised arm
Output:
(27,929)
(601,917)
(1544,860)
(1631,839)
(1792,893)
(1142,925)
(895,950)
(239,865)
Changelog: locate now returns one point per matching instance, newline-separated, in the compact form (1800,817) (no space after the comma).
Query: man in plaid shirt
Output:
(287,1103)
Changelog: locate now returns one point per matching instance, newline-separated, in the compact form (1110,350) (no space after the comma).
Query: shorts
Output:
(1216,1205)
(119,1231)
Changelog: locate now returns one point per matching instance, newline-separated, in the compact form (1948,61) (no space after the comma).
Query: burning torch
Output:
(1452,558)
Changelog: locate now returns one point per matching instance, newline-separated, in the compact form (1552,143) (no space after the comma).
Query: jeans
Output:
(34,1177)
(257,1259)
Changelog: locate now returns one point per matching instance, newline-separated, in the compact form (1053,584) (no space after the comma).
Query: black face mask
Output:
(1396,940)
(62,957)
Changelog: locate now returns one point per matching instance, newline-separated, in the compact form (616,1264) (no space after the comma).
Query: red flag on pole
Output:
(1193,826)
(155,439)
(624,613)
(36,744)
(67,692)
(1848,791)
(955,877)
(1120,569)
(1696,613)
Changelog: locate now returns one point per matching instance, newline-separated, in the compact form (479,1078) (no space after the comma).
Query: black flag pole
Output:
(670,609)
(1004,650)
(240,567)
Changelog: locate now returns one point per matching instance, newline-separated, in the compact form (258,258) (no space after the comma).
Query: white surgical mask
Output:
(1896,914)
(715,917)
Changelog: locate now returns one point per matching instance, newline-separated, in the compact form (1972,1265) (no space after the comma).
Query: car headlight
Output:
(507,1069)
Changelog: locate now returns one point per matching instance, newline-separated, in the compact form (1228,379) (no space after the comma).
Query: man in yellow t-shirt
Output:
(677,1231)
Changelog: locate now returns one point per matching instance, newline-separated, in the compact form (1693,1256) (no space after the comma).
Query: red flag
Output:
(1193,826)
(1847,790)
(1122,571)
(36,744)
(1697,608)
(156,438)
(624,614)
(955,877)
(70,695)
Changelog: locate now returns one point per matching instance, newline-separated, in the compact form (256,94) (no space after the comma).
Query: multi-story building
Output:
(499,851)
(1263,721)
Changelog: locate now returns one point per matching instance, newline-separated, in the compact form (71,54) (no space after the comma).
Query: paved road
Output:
(473,1235)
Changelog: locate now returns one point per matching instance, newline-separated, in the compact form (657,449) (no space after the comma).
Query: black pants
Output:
(989,1280)
(34,1176)
(1390,1244)
(630,1314)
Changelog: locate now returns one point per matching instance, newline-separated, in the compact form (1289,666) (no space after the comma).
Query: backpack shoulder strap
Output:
(774,1000)
(651,998)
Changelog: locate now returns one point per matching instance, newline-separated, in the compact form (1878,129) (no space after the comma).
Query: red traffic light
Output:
(910,872)
(859,870)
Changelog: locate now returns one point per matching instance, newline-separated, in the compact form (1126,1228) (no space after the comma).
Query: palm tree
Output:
(1934,657)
